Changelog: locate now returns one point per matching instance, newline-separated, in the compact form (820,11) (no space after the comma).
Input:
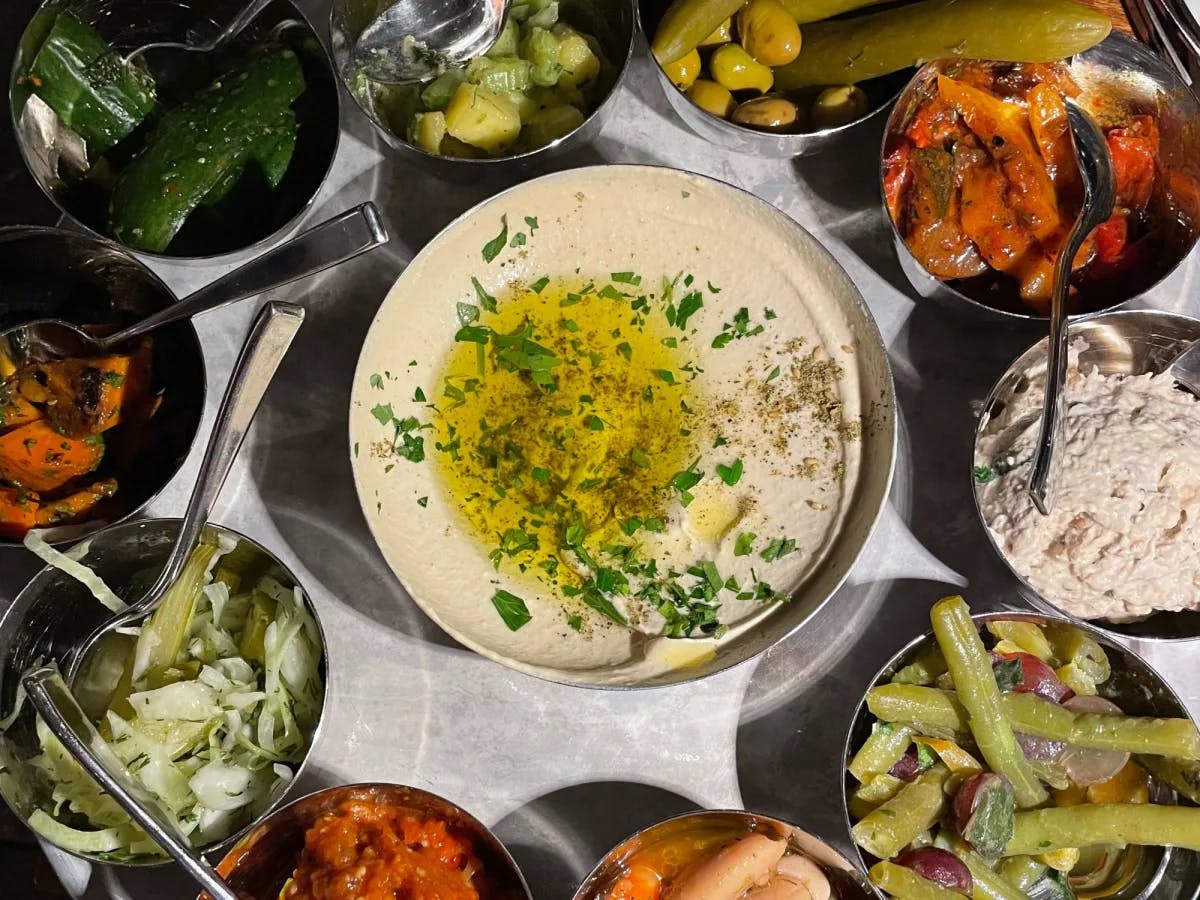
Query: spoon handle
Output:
(1099,195)
(50,696)
(238,23)
(334,241)
(268,341)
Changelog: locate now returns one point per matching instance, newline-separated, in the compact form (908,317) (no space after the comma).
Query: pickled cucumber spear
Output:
(1047,830)
(846,51)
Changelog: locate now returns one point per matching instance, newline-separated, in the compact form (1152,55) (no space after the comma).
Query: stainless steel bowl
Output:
(251,218)
(47,272)
(1116,75)
(1131,342)
(54,612)
(262,861)
(1163,873)
(609,21)
(847,882)
(882,93)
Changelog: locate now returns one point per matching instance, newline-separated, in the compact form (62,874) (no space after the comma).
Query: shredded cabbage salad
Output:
(205,706)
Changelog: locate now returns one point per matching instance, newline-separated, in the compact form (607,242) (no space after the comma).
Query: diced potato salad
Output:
(995,766)
(208,706)
(536,84)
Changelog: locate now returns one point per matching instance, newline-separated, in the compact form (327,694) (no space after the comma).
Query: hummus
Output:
(590,422)
(1123,537)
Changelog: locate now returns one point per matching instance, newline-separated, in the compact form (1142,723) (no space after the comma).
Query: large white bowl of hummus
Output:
(1121,545)
(622,426)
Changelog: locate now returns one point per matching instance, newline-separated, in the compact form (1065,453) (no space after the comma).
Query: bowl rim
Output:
(891,421)
(401,144)
(746,815)
(280,809)
(952,296)
(1035,597)
(1105,639)
(210,259)
(21,232)
(150,862)
(733,130)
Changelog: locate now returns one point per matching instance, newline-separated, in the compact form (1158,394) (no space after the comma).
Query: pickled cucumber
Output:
(847,51)
(687,23)
(805,11)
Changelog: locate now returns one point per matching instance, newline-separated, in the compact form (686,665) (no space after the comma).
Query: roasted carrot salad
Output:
(983,182)
(367,850)
(56,422)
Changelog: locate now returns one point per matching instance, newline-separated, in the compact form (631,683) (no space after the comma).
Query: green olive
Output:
(768,32)
(767,114)
(735,69)
(711,97)
(838,106)
(684,71)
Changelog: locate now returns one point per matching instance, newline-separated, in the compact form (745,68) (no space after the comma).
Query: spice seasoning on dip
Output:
(371,851)
(1123,537)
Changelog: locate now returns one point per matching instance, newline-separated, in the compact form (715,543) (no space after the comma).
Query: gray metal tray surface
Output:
(564,773)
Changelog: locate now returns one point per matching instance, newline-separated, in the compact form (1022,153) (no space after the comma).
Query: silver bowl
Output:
(1134,686)
(609,21)
(847,882)
(263,860)
(251,218)
(48,272)
(882,93)
(1130,342)
(1116,75)
(54,612)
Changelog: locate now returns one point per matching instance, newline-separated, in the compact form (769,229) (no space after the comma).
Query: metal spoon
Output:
(415,40)
(325,245)
(235,27)
(270,336)
(1099,194)
(50,696)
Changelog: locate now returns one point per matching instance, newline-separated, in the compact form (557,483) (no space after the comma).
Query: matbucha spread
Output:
(372,851)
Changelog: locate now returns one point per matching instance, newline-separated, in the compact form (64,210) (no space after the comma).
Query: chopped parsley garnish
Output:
(467,313)
(422,502)
(626,278)
(540,475)
(744,545)
(778,548)
(540,285)
(595,423)
(383,413)
(518,240)
(737,329)
(478,334)
(377,382)
(640,458)
(625,350)
(512,610)
(688,307)
(493,247)
(666,375)
(773,374)
(418,396)
(486,300)
(730,474)
(575,622)
(984,474)
(684,481)
(532,222)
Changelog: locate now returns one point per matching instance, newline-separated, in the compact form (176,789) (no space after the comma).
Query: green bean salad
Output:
(995,767)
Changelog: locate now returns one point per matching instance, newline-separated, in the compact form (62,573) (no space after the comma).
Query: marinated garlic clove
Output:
(768,32)
(735,69)
(779,889)
(803,870)
(684,71)
(767,114)
(837,106)
(712,98)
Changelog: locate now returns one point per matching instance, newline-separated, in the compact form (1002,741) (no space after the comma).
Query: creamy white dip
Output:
(1123,537)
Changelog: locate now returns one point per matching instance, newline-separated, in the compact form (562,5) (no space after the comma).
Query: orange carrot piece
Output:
(18,512)
(36,457)
(88,396)
(14,408)
(76,506)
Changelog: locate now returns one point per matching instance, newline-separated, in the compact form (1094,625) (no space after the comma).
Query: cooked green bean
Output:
(927,665)
(1071,645)
(1182,775)
(876,790)
(1047,830)
(1022,871)
(881,750)
(971,668)
(1077,679)
(926,709)
(898,822)
(986,883)
(1161,737)
(1026,635)
(905,884)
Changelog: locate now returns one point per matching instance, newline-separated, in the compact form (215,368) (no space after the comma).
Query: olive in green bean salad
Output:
(996,767)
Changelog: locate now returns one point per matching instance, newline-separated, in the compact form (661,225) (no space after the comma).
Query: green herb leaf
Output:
(773,374)
(532,222)
(778,548)
(383,413)
(731,475)
(518,240)
(684,481)
(467,313)
(688,307)
(575,622)
(512,610)
(744,545)
(377,382)
(418,396)
(984,474)
(477,334)
(493,247)
(666,375)
(626,278)
(540,285)
(769,314)
(422,501)
(486,300)
(640,458)
(540,475)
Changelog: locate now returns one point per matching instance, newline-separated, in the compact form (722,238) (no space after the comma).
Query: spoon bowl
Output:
(414,40)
